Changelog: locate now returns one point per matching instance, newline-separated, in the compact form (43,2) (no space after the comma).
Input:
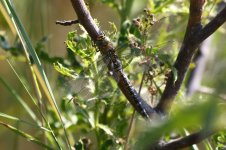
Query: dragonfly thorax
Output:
(116,63)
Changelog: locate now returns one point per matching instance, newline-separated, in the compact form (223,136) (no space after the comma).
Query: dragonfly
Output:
(111,61)
(84,86)
(116,68)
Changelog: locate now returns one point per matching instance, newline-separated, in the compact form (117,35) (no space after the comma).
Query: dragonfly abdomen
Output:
(115,67)
(138,103)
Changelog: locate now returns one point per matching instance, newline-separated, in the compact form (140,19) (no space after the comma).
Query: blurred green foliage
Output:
(95,113)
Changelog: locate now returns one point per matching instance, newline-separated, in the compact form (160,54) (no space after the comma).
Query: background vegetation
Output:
(95,113)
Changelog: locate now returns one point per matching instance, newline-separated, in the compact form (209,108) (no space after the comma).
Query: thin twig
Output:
(67,22)
(185,141)
(210,91)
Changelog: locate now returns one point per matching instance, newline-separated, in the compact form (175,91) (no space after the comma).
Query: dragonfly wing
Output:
(102,66)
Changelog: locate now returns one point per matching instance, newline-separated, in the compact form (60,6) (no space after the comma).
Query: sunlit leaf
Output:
(106,129)
(65,71)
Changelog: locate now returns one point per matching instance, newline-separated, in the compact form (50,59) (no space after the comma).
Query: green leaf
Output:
(106,129)
(114,30)
(65,71)
(27,45)
(81,45)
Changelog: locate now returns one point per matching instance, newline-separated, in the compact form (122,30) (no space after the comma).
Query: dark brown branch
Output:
(211,27)
(67,23)
(184,57)
(185,141)
(193,37)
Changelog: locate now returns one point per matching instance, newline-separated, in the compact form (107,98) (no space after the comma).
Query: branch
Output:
(67,23)
(185,141)
(106,48)
(193,38)
(184,57)
(211,27)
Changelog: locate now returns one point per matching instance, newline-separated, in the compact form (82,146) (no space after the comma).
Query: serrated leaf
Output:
(65,71)
(81,45)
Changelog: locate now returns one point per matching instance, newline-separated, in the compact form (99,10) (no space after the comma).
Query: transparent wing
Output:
(146,53)
(155,29)
(83,86)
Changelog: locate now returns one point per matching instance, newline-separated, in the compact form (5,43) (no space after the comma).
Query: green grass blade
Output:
(21,81)
(28,46)
(50,129)
(19,99)
(31,51)
(23,121)
(25,135)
